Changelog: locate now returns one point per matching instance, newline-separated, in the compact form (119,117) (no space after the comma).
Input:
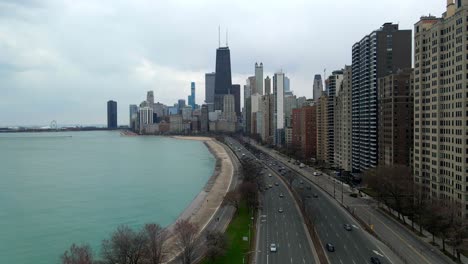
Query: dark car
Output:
(330,247)
(348,227)
(374,260)
(315,195)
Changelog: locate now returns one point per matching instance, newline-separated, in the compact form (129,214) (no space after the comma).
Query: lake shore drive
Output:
(204,206)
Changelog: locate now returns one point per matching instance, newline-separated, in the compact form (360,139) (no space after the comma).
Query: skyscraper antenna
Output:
(219,36)
(227,38)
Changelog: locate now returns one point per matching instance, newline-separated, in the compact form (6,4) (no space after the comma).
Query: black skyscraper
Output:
(235,90)
(111,114)
(223,81)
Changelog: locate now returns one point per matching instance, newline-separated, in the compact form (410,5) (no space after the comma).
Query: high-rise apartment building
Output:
(111,114)
(304,131)
(318,87)
(343,123)
(210,79)
(223,80)
(380,53)
(396,118)
(278,92)
(267,85)
(290,103)
(258,79)
(441,106)
(334,83)
(266,103)
(322,128)
(247,108)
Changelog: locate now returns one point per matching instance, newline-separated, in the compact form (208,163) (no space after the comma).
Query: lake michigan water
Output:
(77,187)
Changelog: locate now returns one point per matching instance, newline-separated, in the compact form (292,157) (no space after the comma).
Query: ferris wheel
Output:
(53,125)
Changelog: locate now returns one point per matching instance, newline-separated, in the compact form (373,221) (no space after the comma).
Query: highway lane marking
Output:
(377,253)
(410,246)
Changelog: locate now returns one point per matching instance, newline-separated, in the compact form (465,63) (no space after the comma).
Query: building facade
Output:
(204,122)
(267,85)
(223,80)
(380,53)
(210,79)
(318,87)
(236,90)
(278,124)
(133,111)
(259,78)
(191,98)
(111,114)
(322,128)
(396,118)
(441,106)
(343,123)
(334,83)
(304,131)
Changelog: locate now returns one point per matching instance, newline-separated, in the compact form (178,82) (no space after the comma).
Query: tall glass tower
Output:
(223,81)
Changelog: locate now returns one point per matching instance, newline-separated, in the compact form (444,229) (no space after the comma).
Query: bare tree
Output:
(458,236)
(155,238)
(124,247)
(232,198)
(186,234)
(249,193)
(393,185)
(216,243)
(78,255)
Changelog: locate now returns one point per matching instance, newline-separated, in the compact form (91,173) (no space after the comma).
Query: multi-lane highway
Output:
(350,246)
(408,247)
(280,221)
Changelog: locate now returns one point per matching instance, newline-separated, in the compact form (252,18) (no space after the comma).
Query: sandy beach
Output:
(206,203)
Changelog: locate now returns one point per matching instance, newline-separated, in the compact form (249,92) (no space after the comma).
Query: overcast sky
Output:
(63,60)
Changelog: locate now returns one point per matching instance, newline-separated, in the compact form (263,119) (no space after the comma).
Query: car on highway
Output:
(273,247)
(375,260)
(281,195)
(348,227)
(330,247)
(280,210)
(276,184)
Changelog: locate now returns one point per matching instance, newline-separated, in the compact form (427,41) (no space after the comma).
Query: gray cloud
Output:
(63,60)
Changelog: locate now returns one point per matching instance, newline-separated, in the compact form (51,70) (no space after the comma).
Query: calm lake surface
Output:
(61,188)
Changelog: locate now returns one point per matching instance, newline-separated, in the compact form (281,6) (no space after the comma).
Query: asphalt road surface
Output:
(285,229)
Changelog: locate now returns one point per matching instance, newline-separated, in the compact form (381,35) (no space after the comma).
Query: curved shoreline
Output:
(203,207)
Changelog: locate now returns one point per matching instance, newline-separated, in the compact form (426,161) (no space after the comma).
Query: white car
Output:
(316,173)
(273,248)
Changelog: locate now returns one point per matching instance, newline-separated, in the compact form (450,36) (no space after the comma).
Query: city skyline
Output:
(55,73)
